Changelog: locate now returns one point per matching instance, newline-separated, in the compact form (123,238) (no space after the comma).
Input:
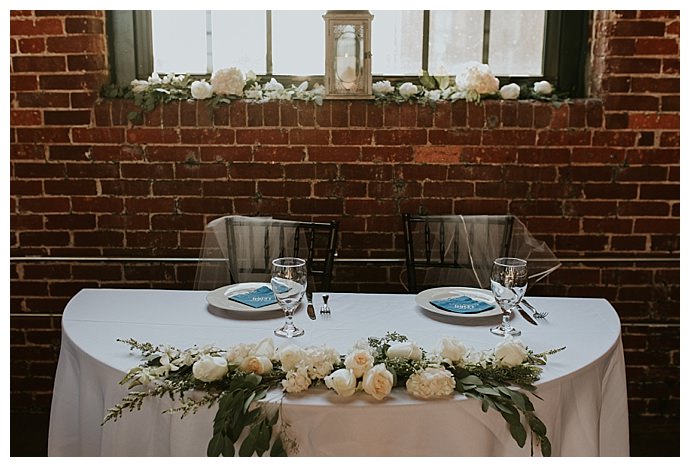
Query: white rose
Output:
(478,357)
(251,76)
(434,95)
(237,353)
(201,90)
(431,382)
(510,352)
(407,90)
(342,381)
(228,81)
(258,365)
(543,88)
(209,368)
(290,356)
(296,380)
(510,91)
(359,362)
(382,87)
(155,79)
(378,381)
(274,86)
(408,350)
(452,349)
(139,85)
(265,348)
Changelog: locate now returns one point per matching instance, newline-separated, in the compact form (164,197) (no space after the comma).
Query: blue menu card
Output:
(462,304)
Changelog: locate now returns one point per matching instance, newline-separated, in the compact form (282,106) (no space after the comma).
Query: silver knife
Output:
(526,316)
(310,306)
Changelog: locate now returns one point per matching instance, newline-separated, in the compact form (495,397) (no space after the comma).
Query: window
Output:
(517,45)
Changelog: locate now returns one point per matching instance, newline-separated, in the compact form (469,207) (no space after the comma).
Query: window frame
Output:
(566,43)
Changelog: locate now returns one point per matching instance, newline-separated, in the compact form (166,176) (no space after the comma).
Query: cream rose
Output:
(510,91)
(510,352)
(430,383)
(201,90)
(378,381)
(259,365)
(265,348)
(408,350)
(139,85)
(342,381)
(359,362)
(209,368)
(543,88)
(407,90)
(452,350)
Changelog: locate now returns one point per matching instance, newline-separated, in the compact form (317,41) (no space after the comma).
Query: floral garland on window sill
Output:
(237,378)
(474,83)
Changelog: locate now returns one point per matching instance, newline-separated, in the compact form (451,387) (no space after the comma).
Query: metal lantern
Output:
(348,54)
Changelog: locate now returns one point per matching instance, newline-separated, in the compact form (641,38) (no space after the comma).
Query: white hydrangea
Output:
(475,80)
(382,87)
(296,380)
(228,82)
(431,382)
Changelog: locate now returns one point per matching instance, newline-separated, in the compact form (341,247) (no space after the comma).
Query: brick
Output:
(25,118)
(352,137)
(397,154)
(437,154)
(43,135)
(333,153)
(288,114)
(339,113)
(611,191)
(618,65)
(315,136)
(455,136)
(654,121)
(70,187)
(78,81)
(83,26)
(38,64)
(279,154)
(76,44)
(202,136)
(262,136)
(653,225)
(643,208)
(98,135)
(659,191)
(33,45)
(631,102)
(90,204)
(374,116)
(638,28)
(23,83)
(653,156)
(656,46)
(670,103)
(400,137)
(38,27)
(564,138)
(67,117)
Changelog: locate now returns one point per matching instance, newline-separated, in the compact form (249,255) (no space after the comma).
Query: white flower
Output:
(510,91)
(342,381)
(209,368)
(359,362)
(237,353)
(320,360)
(259,365)
(407,350)
(478,357)
(155,79)
(543,88)
(290,356)
(378,381)
(433,95)
(178,81)
(251,76)
(510,352)
(228,82)
(273,86)
(254,92)
(407,90)
(431,382)
(201,90)
(476,78)
(265,348)
(139,85)
(382,87)
(452,350)
(296,380)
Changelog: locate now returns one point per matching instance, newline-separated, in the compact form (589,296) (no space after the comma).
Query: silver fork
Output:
(325,309)
(536,313)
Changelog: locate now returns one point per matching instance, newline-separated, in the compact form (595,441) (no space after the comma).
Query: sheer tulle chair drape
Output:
(240,249)
(457,250)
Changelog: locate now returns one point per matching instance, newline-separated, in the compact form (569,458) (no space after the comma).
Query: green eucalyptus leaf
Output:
(518,433)
(485,404)
(277,450)
(545,446)
(228,447)
(248,445)
(248,401)
(505,408)
(488,390)
(471,379)
(537,425)
(215,446)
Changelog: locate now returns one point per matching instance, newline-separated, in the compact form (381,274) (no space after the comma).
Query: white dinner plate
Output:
(219,297)
(425,298)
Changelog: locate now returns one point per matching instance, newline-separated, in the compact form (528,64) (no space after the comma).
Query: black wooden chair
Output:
(453,250)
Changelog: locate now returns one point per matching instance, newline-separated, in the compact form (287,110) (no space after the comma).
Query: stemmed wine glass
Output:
(508,284)
(289,282)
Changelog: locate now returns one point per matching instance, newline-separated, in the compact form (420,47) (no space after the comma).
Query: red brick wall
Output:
(598,179)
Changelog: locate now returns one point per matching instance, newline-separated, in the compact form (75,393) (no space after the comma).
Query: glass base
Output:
(288,331)
(501,330)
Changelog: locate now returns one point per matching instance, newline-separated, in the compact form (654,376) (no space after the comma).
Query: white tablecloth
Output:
(583,388)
